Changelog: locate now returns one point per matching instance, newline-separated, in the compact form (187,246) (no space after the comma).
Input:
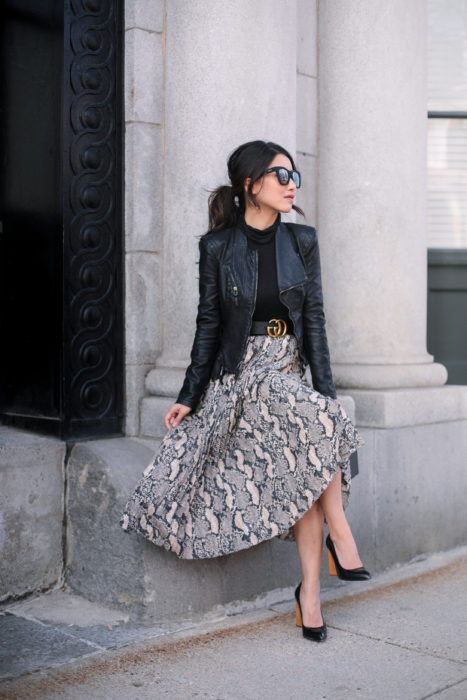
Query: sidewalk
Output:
(401,635)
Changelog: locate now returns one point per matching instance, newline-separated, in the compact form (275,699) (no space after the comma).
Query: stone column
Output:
(307,107)
(372,192)
(372,230)
(372,212)
(230,77)
(144,40)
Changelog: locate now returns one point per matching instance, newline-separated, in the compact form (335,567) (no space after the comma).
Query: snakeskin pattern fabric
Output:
(257,452)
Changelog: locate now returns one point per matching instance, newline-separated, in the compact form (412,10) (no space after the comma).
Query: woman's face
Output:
(268,191)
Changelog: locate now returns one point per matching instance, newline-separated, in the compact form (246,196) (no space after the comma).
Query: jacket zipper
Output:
(233,285)
(253,305)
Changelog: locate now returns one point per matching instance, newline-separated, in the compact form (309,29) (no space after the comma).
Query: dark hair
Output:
(251,159)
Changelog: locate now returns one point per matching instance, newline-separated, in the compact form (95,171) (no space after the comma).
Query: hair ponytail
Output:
(222,208)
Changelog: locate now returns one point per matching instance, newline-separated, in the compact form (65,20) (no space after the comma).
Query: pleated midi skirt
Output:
(257,452)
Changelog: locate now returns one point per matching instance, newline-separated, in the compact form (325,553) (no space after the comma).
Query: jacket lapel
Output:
(290,269)
(242,261)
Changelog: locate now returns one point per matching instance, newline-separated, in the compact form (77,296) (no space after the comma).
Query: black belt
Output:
(275,328)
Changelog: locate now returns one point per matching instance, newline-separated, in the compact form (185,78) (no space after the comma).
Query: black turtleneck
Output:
(268,303)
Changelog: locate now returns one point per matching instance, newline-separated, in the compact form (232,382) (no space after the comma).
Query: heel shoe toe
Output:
(335,569)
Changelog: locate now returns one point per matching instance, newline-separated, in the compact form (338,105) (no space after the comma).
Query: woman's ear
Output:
(256,186)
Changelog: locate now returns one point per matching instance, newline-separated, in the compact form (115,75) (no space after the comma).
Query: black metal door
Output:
(61,216)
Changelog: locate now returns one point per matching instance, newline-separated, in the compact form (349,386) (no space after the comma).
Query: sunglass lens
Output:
(283,176)
(296,178)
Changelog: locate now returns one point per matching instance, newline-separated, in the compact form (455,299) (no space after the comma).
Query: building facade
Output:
(344,86)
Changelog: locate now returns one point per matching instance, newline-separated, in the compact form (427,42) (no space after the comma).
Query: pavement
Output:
(401,635)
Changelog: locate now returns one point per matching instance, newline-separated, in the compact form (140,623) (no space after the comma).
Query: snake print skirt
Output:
(257,452)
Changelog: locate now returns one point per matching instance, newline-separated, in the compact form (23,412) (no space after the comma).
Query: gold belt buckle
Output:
(277,331)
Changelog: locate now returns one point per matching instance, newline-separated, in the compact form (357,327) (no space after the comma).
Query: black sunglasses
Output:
(284,175)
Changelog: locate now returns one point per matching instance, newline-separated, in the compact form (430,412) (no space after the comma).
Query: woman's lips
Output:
(290,196)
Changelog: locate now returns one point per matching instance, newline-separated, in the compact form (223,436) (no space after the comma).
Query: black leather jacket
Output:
(228,273)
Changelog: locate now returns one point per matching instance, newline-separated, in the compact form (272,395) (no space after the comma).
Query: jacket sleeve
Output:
(206,341)
(314,324)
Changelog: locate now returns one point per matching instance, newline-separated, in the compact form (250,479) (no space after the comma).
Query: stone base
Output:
(31,511)
(120,569)
(165,381)
(360,375)
(153,410)
(397,408)
(409,497)
(407,500)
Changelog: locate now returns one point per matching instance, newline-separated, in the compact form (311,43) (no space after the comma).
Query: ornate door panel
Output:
(61,239)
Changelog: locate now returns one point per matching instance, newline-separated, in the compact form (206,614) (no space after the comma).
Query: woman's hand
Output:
(175,414)
(343,409)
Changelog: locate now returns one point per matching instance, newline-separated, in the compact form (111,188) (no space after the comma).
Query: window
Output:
(447,124)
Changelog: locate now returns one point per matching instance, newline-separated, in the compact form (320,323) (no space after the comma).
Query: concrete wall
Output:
(31,511)
(144,155)
(407,499)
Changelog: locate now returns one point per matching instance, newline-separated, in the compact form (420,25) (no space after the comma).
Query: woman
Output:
(253,451)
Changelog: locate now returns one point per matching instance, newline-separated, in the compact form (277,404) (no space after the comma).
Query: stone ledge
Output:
(397,408)
(122,570)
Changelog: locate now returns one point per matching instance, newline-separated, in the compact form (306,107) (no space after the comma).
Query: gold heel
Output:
(298,617)
(332,565)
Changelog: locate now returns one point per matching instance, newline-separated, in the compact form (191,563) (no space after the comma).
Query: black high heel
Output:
(335,569)
(317,634)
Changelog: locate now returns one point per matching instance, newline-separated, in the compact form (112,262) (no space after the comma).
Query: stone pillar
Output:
(372,192)
(307,107)
(144,89)
(372,231)
(225,83)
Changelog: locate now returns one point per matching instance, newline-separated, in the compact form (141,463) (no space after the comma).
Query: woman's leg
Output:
(339,529)
(308,532)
